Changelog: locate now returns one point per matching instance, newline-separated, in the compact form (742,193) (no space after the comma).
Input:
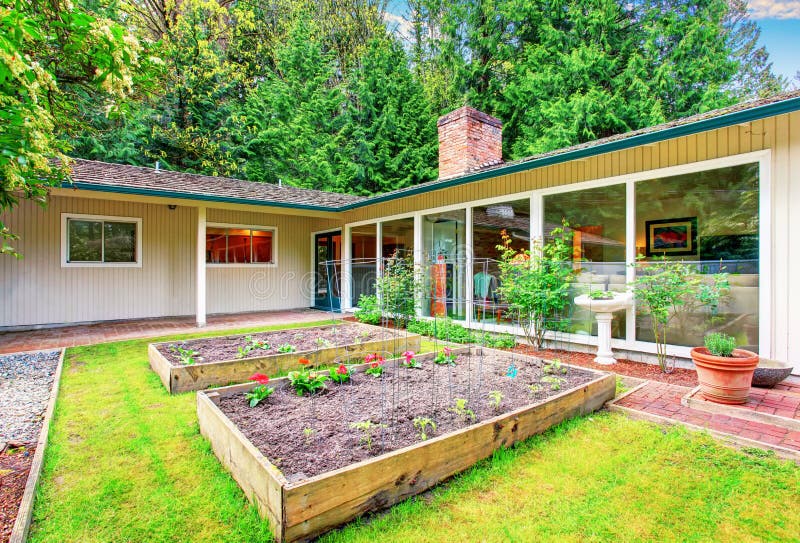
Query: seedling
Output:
(495,399)
(261,392)
(322,343)
(286,348)
(554,382)
(255,343)
(244,351)
(462,410)
(186,356)
(309,434)
(367,428)
(555,367)
(535,388)
(422,424)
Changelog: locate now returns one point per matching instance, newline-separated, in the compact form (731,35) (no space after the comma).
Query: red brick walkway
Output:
(71,336)
(661,401)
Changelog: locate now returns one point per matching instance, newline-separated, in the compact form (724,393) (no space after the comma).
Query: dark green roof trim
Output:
(191,196)
(703,125)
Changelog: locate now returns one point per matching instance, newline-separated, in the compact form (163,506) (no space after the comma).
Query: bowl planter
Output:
(301,509)
(725,379)
(771,372)
(208,373)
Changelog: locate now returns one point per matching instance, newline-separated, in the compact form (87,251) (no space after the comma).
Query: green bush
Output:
(448,330)
(368,311)
(720,344)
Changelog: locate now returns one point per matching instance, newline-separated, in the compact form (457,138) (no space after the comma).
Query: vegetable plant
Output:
(185,356)
(422,424)
(323,343)
(554,382)
(260,392)
(720,344)
(462,410)
(367,429)
(286,348)
(555,367)
(397,288)
(309,434)
(495,399)
(368,311)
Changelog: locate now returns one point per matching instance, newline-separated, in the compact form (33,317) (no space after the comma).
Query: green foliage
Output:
(535,284)
(664,289)
(446,357)
(461,408)
(306,381)
(422,424)
(286,348)
(554,382)
(368,310)
(554,367)
(495,398)
(258,394)
(367,429)
(601,295)
(341,374)
(397,287)
(185,355)
(720,344)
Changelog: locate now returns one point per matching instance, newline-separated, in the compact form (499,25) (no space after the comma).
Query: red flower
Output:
(374,365)
(342,369)
(304,361)
(260,378)
(370,357)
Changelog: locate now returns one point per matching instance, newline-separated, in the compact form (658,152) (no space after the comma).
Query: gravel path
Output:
(25,384)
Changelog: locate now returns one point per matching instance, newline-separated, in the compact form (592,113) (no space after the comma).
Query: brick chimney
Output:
(468,140)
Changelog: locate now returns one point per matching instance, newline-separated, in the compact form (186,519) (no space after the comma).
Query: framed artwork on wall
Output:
(671,237)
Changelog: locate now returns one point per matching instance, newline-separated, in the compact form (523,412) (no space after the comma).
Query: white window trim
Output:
(65,263)
(763,158)
(259,265)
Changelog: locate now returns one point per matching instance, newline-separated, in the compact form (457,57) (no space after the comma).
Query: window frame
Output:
(65,218)
(263,228)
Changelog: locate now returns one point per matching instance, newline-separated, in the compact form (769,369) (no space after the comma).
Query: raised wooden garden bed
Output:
(306,482)
(216,362)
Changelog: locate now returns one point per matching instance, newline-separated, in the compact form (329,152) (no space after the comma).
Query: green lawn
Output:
(126,463)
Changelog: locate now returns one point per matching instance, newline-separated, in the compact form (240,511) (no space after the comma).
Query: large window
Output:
(239,245)
(90,240)
(444,269)
(363,250)
(596,219)
(709,220)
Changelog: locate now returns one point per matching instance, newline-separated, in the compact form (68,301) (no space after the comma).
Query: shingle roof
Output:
(96,175)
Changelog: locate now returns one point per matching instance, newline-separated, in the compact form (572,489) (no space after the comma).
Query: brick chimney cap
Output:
(467,111)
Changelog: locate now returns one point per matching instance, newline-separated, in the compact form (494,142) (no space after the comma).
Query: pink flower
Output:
(409,356)
(447,351)
(260,378)
(370,357)
(342,369)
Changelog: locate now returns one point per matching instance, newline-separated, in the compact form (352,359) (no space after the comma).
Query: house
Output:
(720,188)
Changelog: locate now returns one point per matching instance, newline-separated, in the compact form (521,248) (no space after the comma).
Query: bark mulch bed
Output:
(309,435)
(15,463)
(216,349)
(641,370)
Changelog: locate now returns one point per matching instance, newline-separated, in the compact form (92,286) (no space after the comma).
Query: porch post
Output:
(470,271)
(200,272)
(347,269)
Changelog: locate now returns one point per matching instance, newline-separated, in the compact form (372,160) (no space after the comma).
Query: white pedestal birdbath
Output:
(604,313)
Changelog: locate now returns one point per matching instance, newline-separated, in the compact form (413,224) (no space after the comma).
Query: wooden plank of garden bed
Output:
(328,500)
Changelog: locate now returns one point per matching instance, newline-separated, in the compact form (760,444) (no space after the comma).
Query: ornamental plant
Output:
(720,344)
(375,362)
(446,357)
(368,310)
(260,392)
(410,360)
(665,289)
(397,288)
(535,283)
(306,381)
(340,375)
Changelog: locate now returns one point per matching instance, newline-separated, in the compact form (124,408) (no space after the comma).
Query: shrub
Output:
(368,311)
(720,344)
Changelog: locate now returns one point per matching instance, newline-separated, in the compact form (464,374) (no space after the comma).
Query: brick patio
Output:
(662,403)
(72,336)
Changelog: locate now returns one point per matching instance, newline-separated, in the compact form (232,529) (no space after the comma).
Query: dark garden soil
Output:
(642,370)
(309,435)
(217,349)
(14,467)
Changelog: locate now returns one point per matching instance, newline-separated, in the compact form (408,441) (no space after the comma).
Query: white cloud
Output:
(398,24)
(775,9)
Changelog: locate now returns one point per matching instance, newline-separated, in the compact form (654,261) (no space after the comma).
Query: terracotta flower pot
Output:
(725,379)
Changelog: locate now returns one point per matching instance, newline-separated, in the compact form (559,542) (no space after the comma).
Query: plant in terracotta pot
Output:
(724,371)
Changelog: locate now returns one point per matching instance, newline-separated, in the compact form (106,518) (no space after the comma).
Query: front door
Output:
(328,268)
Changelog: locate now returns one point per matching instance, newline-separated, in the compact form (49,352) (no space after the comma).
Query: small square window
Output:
(90,240)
